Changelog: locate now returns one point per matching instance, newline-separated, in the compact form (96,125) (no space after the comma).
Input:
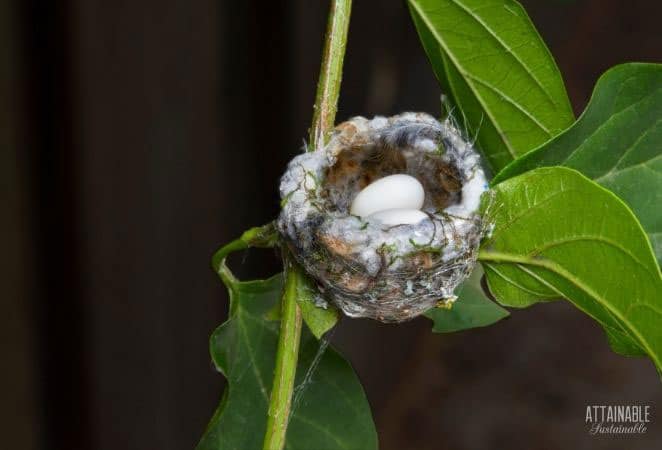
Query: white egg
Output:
(398,216)
(392,192)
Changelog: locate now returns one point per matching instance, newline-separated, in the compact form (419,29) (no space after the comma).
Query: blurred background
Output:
(137,136)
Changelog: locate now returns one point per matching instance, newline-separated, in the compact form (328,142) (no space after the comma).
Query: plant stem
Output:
(264,237)
(286,361)
(324,115)
(328,86)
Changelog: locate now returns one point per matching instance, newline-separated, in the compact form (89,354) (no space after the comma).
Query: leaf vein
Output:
(604,124)
(559,270)
(251,356)
(507,48)
(517,285)
(479,98)
(570,239)
(503,95)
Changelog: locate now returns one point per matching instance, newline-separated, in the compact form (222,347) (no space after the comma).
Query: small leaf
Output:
(557,233)
(330,412)
(617,142)
(491,61)
(472,309)
(318,319)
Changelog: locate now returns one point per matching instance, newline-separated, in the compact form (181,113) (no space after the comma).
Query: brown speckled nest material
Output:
(368,269)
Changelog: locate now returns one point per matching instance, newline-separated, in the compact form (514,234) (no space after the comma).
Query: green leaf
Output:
(557,233)
(330,410)
(472,309)
(491,61)
(617,142)
(318,319)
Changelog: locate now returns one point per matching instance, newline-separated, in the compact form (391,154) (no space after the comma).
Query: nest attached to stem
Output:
(366,268)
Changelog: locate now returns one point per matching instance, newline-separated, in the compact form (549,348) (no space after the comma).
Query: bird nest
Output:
(369,269)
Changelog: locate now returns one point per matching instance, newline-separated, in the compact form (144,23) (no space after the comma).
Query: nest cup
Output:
(367,268)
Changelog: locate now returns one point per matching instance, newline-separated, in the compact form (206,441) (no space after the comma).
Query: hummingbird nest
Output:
(366,268)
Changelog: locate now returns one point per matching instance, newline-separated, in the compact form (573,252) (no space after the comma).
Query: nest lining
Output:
(388,273)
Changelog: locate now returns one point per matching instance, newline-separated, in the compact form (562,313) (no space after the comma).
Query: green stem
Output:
(262,237)
(328,86)
(324,116)
(286,362)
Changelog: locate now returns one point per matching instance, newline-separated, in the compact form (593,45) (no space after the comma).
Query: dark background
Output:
(137,136)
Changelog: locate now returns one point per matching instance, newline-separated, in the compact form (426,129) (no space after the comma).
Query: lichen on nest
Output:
(368,269)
